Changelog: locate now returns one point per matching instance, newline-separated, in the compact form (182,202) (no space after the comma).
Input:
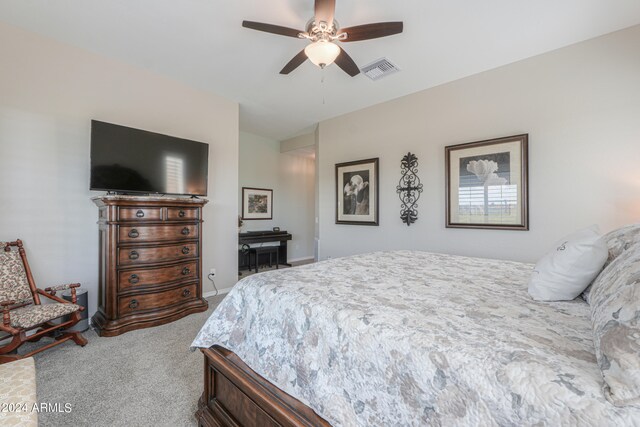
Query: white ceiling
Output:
(202,43)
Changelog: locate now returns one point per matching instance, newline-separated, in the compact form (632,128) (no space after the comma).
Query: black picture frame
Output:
(511,207)
(363,183)
(248,208)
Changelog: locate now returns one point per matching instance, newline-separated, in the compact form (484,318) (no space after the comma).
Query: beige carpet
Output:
(147,377)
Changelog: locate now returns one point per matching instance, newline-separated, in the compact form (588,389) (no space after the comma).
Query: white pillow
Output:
(570,267)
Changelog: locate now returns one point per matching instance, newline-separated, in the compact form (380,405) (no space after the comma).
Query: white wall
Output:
(581,108)
(307,140)
(291,175)
(49,93)
(258,168)
(297,183)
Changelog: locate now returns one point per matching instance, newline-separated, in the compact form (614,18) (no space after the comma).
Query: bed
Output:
(401,338)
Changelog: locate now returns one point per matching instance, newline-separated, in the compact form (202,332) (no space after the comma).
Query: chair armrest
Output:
(5,309)
(53,289)
(13,304)
(53,297)
(6,306)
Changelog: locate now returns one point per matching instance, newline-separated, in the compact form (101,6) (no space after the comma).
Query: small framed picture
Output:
(357,192)
(487,184)
(257,203)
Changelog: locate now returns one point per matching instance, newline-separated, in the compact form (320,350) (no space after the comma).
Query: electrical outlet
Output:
(212,271)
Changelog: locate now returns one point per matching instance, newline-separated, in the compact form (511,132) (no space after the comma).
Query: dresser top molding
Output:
(105,200)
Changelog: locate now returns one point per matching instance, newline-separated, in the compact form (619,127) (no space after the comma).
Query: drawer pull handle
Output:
(185,231)
(186,293)
(133,304)
(134,255)
(185,250)
(134,233)
(182,213)
(185,271)
(133,279)
(140,213)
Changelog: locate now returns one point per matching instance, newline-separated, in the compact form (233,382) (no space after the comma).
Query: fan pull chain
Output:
(322,85)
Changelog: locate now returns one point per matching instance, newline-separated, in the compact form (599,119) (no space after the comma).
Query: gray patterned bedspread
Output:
(414,338)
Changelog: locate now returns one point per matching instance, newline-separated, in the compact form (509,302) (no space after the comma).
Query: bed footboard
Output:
(234,395)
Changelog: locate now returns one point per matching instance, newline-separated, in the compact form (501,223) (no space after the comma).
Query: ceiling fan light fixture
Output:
(322,33)
(322,52)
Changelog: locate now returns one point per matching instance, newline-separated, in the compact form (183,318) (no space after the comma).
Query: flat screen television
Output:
(127,160)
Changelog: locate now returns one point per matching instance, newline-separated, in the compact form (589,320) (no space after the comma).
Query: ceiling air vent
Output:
(379,69)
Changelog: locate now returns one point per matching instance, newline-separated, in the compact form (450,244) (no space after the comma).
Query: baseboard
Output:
(305,258)
(213,293)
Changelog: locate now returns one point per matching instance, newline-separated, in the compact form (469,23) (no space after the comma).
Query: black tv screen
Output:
(128,160)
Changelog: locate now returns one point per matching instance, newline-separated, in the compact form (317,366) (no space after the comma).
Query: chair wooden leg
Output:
(8,353)
(6,358)
(12,347)
(76,337)
(37,337)
(51,334)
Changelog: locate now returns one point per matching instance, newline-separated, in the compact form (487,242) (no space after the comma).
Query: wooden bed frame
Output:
(234,395)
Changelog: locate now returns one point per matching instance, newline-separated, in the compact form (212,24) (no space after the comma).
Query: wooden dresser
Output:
(150,261)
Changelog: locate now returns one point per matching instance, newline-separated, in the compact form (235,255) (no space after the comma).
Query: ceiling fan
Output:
(323,31)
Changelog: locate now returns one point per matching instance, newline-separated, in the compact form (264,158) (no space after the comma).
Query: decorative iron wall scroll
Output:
(409,189)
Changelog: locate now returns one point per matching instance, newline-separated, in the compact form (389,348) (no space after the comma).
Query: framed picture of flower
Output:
(357,192)
(487,184)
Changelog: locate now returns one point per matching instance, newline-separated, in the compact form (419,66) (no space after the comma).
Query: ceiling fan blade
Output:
(347,64)
(294,63)
(274,29)
(325,11)
(371,31)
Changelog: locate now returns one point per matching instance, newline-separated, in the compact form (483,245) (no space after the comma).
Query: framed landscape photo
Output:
(257,203)
(487,184)
(357,192)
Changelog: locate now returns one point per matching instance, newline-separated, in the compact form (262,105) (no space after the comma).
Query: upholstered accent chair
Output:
(22,311)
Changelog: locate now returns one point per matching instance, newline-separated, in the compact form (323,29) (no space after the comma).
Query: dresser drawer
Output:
(139,214)
(156,233)
(157,276)
(139,303)
(148,255)
(182,214)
